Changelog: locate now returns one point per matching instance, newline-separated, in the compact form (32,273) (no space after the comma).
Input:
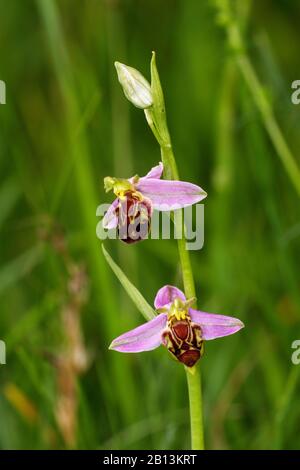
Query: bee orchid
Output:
(178,327)
(136,198)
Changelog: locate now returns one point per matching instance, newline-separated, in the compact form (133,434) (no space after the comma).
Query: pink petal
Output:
(143,338)
(170,195)
(215,326)
(166,295)
(155,172)
(110,220)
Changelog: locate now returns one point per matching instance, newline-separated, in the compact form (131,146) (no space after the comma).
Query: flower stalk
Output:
(177,326)
(156,118)
(235,40)
(195,401)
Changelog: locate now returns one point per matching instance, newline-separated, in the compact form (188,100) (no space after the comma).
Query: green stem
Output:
(270,122)
(195,398)
(167,156)
(171,172)
(193,378)
(236,43)
(156,118)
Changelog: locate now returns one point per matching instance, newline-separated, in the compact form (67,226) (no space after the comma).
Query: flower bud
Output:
(136,88)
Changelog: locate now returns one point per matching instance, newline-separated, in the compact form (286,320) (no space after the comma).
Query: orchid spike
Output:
(136,198)
(181,329)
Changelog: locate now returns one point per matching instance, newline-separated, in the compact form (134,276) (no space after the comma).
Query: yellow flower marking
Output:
(121,187)
(180,309)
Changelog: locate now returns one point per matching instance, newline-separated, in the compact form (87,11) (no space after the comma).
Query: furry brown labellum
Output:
(183,339)
(134,218)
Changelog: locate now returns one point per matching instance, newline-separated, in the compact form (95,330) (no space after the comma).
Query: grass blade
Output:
(135,295)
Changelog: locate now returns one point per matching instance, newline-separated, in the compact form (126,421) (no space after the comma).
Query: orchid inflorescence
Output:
(175,324)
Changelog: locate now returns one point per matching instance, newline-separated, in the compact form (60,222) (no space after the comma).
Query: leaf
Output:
(135,295)
(157,120)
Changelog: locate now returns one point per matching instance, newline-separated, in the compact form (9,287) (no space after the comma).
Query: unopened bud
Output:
(136,88)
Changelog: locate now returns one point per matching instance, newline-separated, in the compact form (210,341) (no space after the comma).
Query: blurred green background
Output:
(65,126)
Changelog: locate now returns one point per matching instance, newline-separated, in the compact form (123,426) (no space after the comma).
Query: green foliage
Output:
(65,126)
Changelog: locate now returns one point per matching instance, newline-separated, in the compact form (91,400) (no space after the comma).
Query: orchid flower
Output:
(178,327)
(136,198)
